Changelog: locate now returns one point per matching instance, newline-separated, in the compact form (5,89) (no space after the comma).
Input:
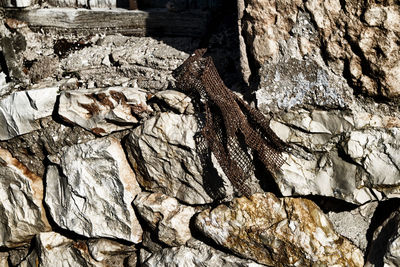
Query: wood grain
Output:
(155,22)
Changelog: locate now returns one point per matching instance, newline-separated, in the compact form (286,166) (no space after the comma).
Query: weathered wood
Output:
(155,22)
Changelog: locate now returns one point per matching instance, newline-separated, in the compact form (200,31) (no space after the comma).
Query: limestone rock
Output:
(197,254)
(176,101)
(163,153)
(4,259)
(166,216)
(53,249)
(91,190)
(357,40)
(287,231)
(385,246)
(354,224)
(110,253)
(114,59)
(378,152)
(103,111)
(332,157)
(20,111)
(21,207)
(296,82)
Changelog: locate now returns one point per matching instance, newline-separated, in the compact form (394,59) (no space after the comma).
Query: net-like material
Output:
(232,129)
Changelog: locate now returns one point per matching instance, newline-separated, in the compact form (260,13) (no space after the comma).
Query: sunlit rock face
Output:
(166,216)
(21,206)
(291,231)
(90,190)
(100,163)
(20,111)
(164,155)
(103,111)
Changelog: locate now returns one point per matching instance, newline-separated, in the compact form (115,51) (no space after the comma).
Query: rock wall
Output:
(99,159)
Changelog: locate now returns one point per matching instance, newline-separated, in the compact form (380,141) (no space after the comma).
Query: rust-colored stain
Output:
(92,108)
(10,161)
(118,96)
(80,245)
(14,23)
(104,100)
(136,109)
(25,170)
(97,130)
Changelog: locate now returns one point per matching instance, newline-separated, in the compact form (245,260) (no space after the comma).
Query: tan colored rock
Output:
(272,231)
(356,38)
(109,252)
(166,216)
(21,205)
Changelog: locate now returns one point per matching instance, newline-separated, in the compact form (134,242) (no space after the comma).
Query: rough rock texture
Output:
(326,72)
(91,190)
(21,210)
(385,246)
(354,224)
(20,111)
(197,254)
(32,149)
(111,253)
(307,57)
(53,249)
(340,149)
(165,215)
(115,59)
(103,111)
(163,153)
(289,231)
(359,40)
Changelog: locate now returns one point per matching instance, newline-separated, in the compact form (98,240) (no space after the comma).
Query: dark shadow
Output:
(331,204)
(4,67)
(375,251)
(266,178)
(123,4)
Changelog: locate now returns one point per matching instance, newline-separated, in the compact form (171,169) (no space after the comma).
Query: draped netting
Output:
(232,129)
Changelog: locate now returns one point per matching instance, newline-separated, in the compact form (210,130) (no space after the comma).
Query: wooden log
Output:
(154,22)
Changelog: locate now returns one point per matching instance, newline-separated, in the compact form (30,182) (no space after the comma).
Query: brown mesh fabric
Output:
(232,128)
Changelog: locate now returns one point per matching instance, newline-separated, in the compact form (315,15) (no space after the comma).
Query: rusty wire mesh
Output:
(232,130)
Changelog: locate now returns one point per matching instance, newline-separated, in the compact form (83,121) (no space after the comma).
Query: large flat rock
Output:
(90,190)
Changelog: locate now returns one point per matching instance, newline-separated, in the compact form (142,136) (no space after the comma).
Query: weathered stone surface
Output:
(4,259)
(163,153)
(110,253)
(53,249)
(285,231)
(31,149)
(115,59)
(294,82)
(17,3)
(197,254)
(176,101)
(385,247)
(91,190)
(358,40)
(103,111)
(333,152)
(354,224)
(166,217)
(20,111)
(21,207)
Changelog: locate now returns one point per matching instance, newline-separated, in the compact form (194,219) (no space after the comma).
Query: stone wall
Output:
(99,164)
